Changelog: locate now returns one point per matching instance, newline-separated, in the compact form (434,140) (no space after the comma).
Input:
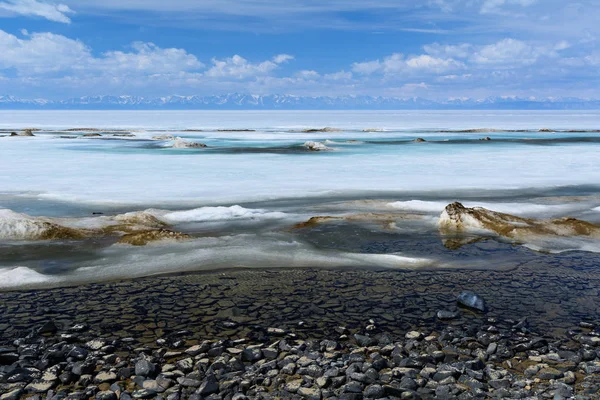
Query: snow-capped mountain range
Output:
(236,101)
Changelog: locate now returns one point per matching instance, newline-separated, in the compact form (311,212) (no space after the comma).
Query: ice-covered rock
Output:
(316,146)
(179,143)
(15,226)
(322,130)
(163,137)
(457,218)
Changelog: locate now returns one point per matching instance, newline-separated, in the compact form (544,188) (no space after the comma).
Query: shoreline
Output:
(235,334)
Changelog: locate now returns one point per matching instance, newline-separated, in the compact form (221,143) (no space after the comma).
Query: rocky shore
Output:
(306,334)
(500,359)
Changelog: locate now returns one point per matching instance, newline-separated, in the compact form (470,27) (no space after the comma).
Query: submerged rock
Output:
(471,300)
(446,315)
(316,146)
(143,238)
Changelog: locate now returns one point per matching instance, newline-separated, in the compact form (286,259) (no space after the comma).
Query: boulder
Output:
(316,146)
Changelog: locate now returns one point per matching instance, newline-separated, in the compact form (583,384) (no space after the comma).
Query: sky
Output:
(435,49)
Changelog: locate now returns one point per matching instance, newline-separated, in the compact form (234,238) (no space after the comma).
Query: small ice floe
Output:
(373,130)
(179,143)
(316,146)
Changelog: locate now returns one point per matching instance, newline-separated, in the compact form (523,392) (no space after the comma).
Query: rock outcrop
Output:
(457,218)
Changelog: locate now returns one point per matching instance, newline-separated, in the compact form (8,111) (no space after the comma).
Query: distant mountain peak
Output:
(242,101)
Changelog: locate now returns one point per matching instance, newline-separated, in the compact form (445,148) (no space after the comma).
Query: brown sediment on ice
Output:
(458,218)
(386,220)
(145,237)
(137,228)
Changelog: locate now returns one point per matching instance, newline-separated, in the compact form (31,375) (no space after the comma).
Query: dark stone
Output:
(143,394)
(364,341)
(374,392)
(48,327)
(8,358)
(210,385)
(144,368)
(107,395)
(471,300)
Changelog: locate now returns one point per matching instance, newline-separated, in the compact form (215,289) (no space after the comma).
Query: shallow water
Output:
(242,197)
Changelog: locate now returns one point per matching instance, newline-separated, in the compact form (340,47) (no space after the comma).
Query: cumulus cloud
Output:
(511,52)
(397,63)
(50,11)
(339,76)
(48,53)
(41,53)
(237,67)
(462,50)
(281,58)
(148,58)
(308,74)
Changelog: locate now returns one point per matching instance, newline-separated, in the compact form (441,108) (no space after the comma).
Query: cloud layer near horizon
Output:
(519,50)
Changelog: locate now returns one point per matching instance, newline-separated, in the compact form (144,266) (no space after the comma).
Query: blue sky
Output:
(436,49)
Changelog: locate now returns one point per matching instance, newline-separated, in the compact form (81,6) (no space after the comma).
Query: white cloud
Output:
(339,76)
(148,58)
(397,63)
(463,50)
(281,58)
(510,52)
(41,53)
(427,63)
(496,6)
(237,67)
(48,53)
(50,11)
(307,74)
